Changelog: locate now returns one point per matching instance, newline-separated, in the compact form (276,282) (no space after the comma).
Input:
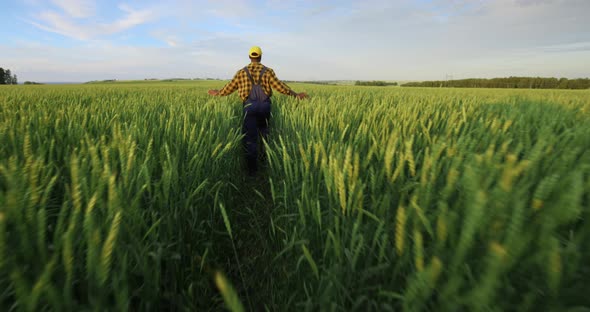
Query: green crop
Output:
(134,197)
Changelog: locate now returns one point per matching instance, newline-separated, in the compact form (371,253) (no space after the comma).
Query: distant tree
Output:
(374,83)
(563,83)
(7,76)
(510,82)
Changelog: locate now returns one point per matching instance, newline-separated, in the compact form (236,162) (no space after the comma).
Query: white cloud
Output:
(171,42)
(230,9)
(133,18)
(88,29)
(77,8)
(568,47)
(57,23)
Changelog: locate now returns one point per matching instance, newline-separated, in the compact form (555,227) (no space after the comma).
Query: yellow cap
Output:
(255,51)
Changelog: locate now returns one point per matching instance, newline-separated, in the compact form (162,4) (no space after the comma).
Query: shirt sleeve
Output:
(231,86)
(280,86)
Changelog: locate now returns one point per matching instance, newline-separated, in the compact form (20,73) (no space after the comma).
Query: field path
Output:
(251,226)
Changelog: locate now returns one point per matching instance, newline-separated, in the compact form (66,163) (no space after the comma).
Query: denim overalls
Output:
(257,114)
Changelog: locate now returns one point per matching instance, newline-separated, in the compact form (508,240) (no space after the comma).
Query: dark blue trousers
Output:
(255,126)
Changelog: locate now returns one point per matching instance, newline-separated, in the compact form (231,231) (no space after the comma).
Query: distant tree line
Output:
(510,82)
(310,82)
(375,83)
(6,77)
(102,81)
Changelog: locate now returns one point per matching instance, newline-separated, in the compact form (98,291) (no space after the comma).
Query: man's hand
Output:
(213,92)
(302,96)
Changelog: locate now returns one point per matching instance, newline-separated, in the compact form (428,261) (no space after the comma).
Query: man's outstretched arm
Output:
(282,87)
(227,89)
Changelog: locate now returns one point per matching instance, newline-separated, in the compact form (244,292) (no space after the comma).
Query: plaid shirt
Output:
(244,85)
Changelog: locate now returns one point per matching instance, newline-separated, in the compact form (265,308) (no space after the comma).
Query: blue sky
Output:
(82,40)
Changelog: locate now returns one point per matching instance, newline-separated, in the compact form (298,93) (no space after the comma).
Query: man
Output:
(254,84)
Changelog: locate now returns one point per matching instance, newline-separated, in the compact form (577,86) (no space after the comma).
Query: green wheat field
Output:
(134,196)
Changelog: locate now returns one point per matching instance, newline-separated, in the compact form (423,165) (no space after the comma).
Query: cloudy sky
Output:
(81,40)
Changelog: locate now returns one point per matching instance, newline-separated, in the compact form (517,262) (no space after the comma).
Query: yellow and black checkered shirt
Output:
(241,82)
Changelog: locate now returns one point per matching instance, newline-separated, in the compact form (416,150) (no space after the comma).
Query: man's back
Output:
(256,104)
(243,85)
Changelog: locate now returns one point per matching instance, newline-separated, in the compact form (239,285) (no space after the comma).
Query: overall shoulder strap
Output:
(262,74)
(249,76)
